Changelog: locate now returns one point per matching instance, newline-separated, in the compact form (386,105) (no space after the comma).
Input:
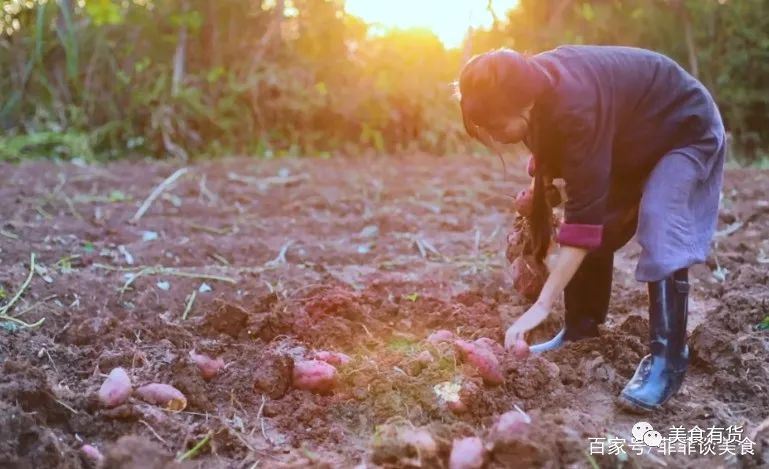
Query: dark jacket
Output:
(608,115)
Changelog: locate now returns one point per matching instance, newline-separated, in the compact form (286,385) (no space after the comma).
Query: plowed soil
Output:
(366,257)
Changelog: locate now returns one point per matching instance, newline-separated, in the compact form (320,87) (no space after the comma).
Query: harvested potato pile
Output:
(527,272)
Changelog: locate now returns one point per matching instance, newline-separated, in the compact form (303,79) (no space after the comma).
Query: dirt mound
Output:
(732,344)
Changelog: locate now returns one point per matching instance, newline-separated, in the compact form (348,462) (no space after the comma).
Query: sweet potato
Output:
(458,407)
(492,345)
(421,440)
(520,241)
(440,336)
(163,395)
(483,359)
(208,366)
(467,453)
(334,358)
(517,236)
(529,276)
(468,394)
(524,202)
(510,426)
(116,388)
(314,375)
(516,243)
(521,349)
(92,453)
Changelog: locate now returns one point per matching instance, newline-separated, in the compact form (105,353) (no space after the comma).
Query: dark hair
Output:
(541,219)
(500,83)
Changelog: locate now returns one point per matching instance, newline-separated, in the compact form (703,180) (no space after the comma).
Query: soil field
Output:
(265,263)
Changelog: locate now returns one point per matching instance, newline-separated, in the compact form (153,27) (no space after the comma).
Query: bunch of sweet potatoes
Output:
(527,272)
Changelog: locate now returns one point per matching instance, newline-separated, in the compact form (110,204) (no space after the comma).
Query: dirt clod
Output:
(273,375)
(404,446)
(227,318)
(134,452)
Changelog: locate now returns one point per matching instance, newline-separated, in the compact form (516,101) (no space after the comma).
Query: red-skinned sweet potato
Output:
(116,388)
(528,276)
(510,426)
(209,367)
(421,440)
(314,375)
(457,407)
(163,395)
(492,345)
(467,453)
(333,358)
(92,453)
(441,336)
(516,244)
(524,202)
(521,349)
(468,393)
(482,358)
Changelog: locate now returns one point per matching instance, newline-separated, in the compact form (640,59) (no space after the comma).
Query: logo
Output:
(643,431)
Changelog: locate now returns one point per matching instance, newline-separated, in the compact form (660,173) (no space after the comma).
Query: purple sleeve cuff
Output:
(580,236)
(531,167)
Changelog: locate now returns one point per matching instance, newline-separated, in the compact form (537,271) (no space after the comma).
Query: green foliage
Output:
(193,78)
(412,296)
(103,79)
(103,12)
(58,144)
(403,345)
(118,196)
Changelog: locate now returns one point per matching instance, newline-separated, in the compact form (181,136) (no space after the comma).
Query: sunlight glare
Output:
(449,20)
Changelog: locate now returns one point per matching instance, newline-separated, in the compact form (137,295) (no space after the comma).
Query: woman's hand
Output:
(528,321)
(569,259)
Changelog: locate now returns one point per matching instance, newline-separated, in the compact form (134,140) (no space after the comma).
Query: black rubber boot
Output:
(660,374)
(586,299)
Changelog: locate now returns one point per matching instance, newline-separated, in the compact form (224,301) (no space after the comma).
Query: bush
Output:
(102,79)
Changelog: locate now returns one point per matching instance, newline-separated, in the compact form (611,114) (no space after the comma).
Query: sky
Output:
(448,19)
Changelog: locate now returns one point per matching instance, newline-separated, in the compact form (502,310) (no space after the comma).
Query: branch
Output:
(490,8)
(156,193)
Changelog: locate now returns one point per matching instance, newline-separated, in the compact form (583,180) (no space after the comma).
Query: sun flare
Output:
(448,20)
